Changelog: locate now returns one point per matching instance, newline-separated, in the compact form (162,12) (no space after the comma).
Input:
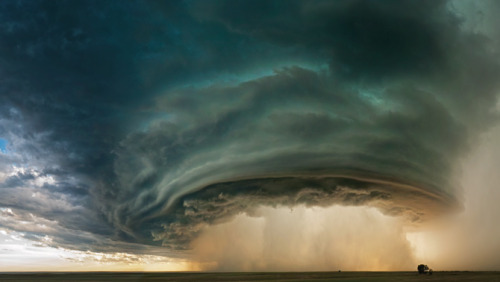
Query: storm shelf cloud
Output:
(137,125)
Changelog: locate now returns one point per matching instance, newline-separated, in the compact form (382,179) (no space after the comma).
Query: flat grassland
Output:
(251,276)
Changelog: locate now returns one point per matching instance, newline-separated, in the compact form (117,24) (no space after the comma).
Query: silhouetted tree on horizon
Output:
(422,268)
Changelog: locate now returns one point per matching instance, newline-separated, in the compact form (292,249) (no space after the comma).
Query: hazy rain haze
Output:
(249,135)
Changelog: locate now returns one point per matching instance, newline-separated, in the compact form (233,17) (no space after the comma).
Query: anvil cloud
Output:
(135,125)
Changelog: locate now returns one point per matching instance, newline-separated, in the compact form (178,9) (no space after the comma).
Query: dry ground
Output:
(261,276)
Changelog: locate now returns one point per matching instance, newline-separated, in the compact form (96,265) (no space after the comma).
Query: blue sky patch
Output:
(3,145)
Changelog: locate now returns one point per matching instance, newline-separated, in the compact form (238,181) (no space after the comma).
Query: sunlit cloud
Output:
(21,254)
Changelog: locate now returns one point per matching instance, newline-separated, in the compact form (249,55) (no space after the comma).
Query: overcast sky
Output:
(248,135)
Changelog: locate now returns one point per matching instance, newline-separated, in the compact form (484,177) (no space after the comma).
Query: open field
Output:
(252,276)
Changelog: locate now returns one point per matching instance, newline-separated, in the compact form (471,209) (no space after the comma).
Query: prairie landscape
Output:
(255,276)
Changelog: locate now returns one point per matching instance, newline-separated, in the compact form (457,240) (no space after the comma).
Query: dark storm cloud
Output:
(296,123)
(399,40)
(17,180)
(156,118)
(74,76)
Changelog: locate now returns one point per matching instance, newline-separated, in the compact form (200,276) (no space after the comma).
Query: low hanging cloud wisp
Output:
(147,122)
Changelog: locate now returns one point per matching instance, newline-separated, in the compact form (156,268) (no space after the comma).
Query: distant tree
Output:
(422,268)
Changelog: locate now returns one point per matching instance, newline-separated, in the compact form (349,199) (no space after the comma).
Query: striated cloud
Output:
(139,124)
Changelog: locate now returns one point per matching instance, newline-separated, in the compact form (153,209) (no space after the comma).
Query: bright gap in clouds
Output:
(469,240)
(3,145)
(18,254)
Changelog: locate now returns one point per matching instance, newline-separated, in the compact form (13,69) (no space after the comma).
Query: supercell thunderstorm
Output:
(132,124)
